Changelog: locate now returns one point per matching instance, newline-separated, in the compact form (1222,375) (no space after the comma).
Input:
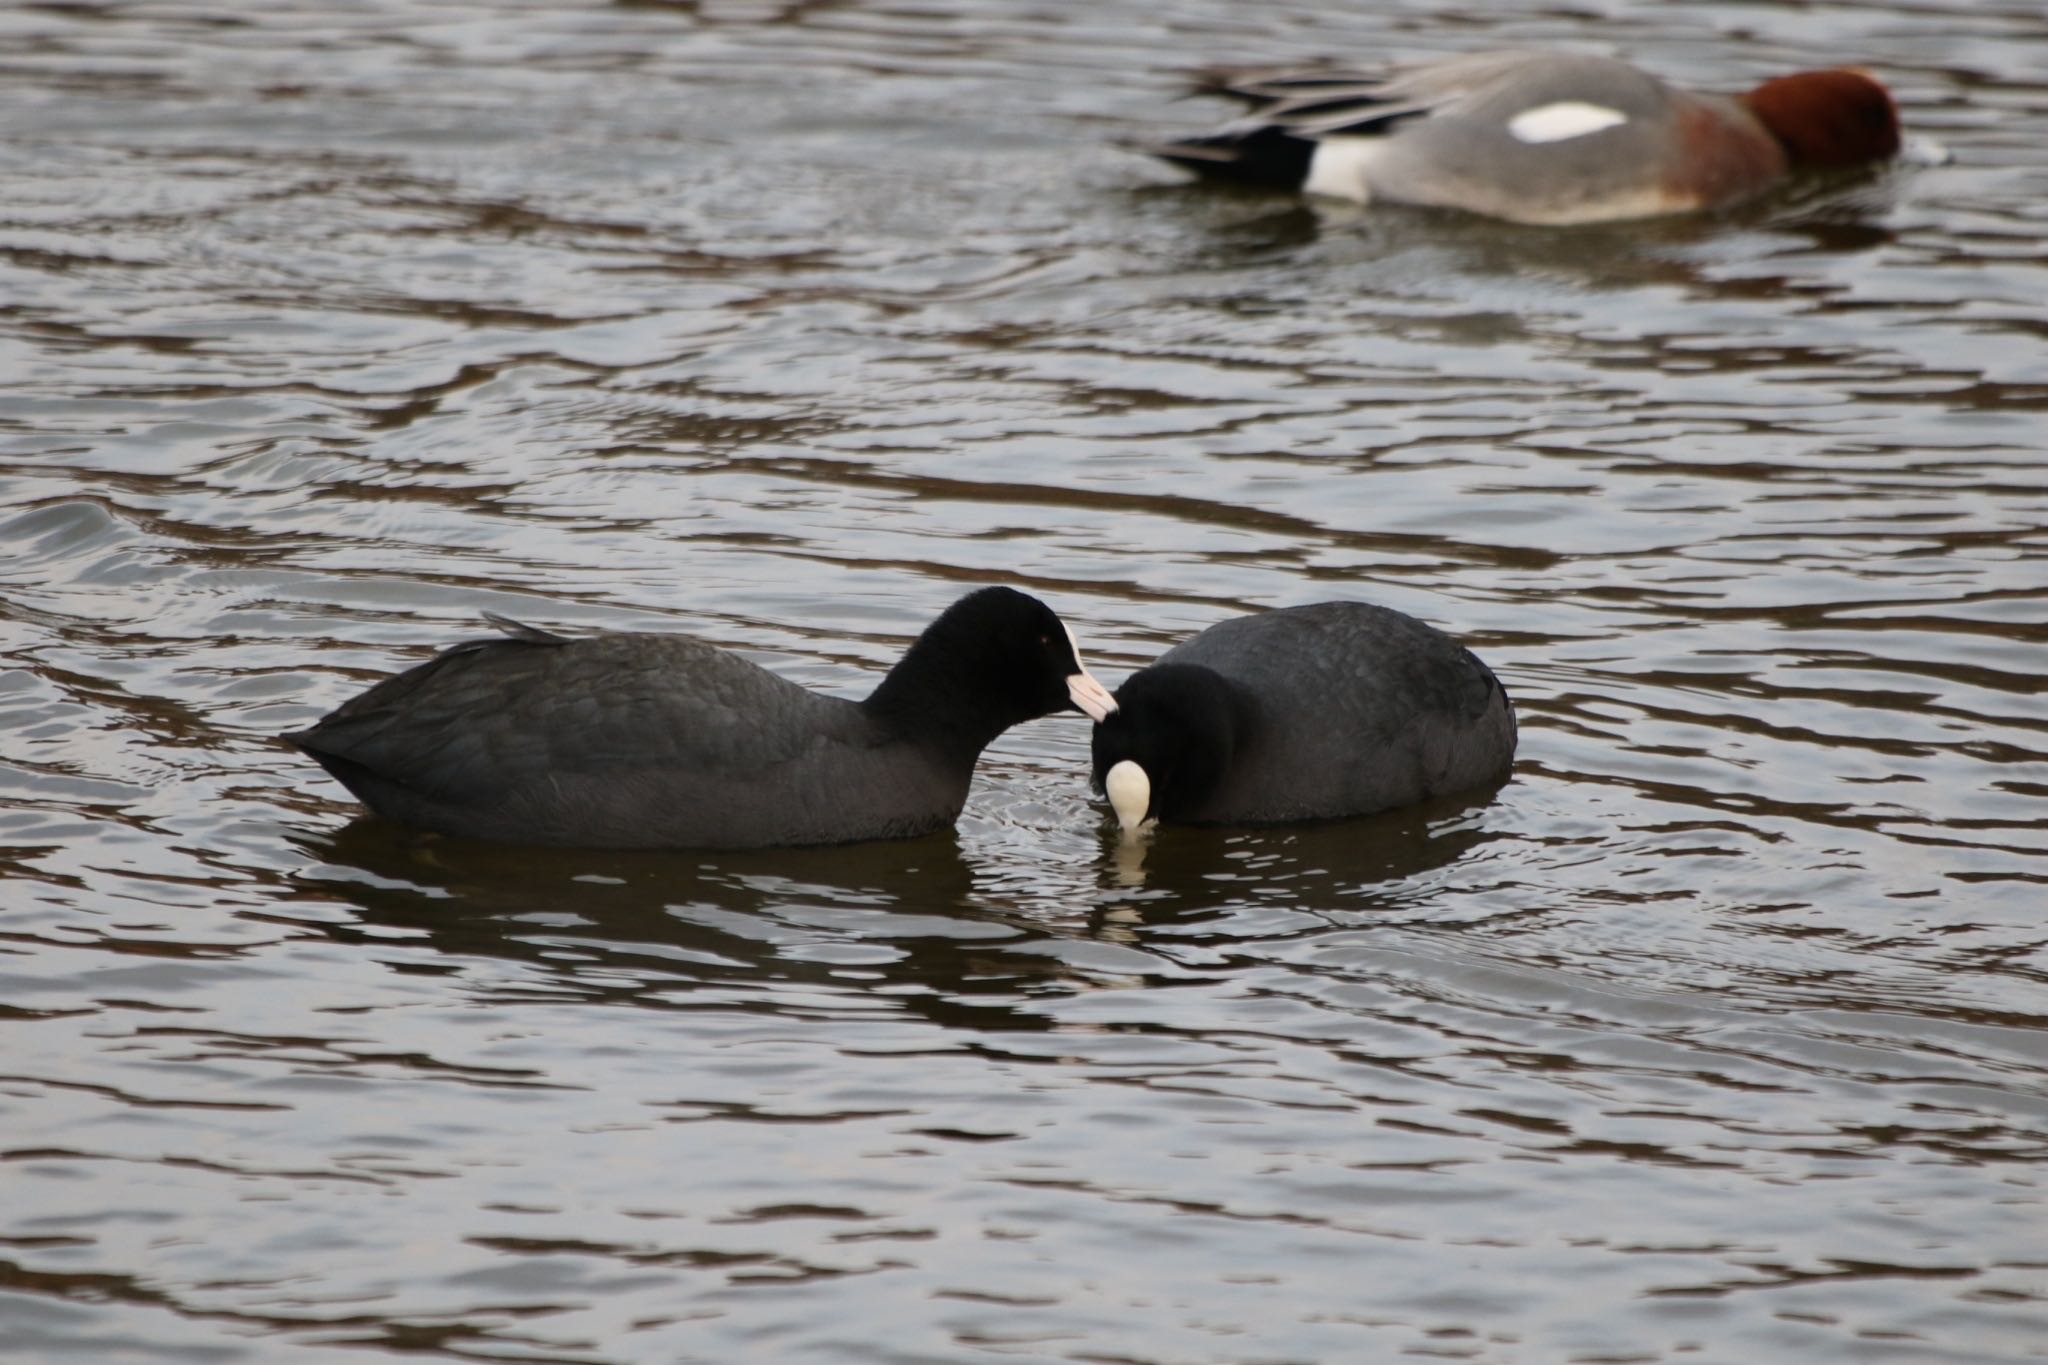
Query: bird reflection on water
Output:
(633,927)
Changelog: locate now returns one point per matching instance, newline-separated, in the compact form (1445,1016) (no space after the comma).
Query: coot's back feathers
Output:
(1342,708)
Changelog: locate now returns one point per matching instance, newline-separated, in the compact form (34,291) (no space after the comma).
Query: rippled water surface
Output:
(1717,1034)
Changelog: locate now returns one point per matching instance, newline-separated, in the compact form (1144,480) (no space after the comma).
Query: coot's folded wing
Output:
(486,716)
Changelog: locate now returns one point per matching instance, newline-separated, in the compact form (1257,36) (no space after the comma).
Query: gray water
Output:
(1716,1035)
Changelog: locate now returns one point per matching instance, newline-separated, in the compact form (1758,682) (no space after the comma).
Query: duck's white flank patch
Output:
(1130,792)
(1338,168)
(1563,121)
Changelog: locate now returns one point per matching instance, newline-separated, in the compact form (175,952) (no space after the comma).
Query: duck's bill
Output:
(1920,150)
(1090,697)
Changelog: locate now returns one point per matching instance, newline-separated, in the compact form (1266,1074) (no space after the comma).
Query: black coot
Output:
(663,741)
(1303,714)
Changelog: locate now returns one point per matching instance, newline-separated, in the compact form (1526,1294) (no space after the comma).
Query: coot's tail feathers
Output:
(519,630)
(333,738)
(1255,155)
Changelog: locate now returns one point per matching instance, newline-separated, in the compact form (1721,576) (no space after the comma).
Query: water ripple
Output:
(329,328)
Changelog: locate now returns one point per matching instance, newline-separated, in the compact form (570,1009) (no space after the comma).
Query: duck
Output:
(1537,137)
(661,740)
(1304,713)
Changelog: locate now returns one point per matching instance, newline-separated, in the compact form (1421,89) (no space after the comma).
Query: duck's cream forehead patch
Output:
(1563,121)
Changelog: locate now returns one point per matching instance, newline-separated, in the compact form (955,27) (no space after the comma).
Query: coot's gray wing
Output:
(626,738)
(1359,708)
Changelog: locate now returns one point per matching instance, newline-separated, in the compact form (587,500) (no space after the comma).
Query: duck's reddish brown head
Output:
(1833,118)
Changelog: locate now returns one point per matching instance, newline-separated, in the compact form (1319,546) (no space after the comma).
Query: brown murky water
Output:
(1717,1035)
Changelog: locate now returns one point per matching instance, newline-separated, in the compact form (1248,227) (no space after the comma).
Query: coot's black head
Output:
(1164,750)
(995,658)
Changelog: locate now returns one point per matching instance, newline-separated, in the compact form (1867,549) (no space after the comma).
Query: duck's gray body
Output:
(1337,709)
(1536,136)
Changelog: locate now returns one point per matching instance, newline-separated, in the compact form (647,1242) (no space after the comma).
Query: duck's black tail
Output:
(1259,154)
